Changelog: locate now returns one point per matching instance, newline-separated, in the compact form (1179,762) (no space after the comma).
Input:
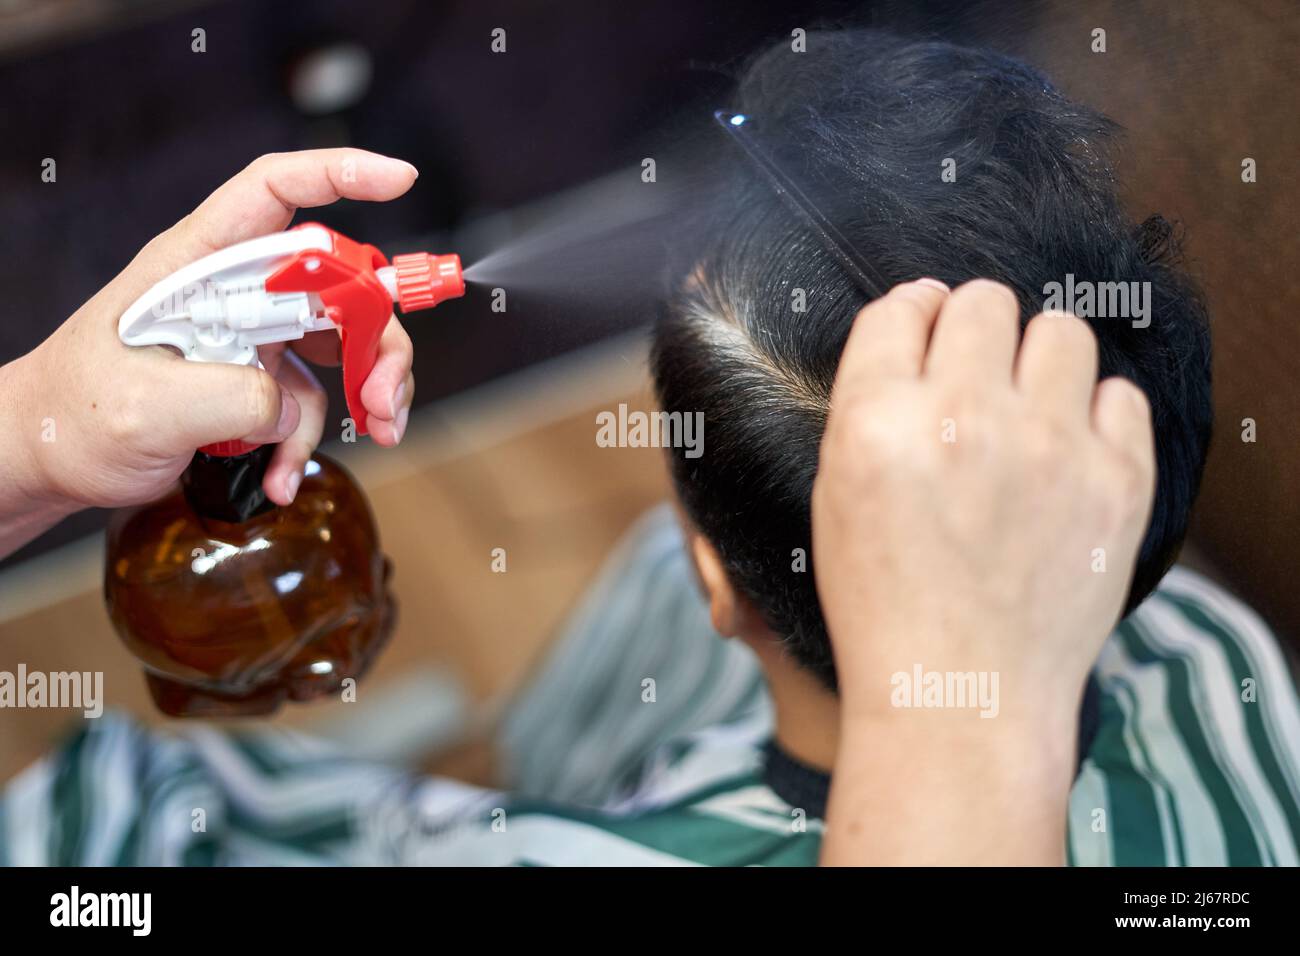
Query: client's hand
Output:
(977,512)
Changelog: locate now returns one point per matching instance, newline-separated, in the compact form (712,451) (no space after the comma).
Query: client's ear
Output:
(732,614)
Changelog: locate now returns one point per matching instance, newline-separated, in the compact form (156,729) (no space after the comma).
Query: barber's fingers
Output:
(388,433)
(976,334)
(261,199)
(388,391)
(889,335)
(1057,366)
(213,402)
(284,473)
(320,348)
(1121,417)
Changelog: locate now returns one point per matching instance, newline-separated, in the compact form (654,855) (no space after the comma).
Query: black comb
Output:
(739,127)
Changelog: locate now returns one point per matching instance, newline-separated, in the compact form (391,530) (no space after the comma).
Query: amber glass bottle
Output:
(233,604)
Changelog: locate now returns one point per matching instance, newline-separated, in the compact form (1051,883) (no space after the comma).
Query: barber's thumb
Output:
(213,402)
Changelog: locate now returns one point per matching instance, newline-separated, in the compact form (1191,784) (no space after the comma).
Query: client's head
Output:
(868,125)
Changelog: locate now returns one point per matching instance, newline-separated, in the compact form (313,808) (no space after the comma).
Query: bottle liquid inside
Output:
(234,605)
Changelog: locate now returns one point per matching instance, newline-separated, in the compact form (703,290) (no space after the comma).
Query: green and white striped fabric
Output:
(1195,760)
(118,795)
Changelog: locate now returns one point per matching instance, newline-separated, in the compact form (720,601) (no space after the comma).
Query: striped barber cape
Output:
(1194,763)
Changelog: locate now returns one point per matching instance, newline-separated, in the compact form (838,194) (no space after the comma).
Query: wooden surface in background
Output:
(550,496)
(1200,85)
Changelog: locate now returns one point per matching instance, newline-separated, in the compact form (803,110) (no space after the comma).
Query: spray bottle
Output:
(234,604)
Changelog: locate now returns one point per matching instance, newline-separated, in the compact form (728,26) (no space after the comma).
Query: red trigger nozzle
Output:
(419,280)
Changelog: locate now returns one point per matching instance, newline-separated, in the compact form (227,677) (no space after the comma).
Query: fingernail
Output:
(398,395)
(399,424)
(394,159)
(933,284)
(291,484)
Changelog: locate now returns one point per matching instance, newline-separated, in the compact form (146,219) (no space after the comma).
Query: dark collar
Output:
(806,788)
(799,785)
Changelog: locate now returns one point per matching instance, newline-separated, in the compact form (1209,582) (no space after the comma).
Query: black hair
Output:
(864,122)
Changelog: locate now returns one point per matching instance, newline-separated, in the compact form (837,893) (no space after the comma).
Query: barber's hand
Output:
(124,422)
(970,490)
(972,487)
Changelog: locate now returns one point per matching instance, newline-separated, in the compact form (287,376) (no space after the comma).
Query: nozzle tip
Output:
(424,280)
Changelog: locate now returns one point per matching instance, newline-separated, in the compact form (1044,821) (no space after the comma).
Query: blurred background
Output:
(500,453)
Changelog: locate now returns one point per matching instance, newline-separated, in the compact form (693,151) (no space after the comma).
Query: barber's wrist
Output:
(876,672)
(29,502)
(1007,711)
(948,789)
(23,477)
(1010,739)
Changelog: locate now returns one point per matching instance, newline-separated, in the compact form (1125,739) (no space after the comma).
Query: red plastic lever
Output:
(355,300)
(359,304)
